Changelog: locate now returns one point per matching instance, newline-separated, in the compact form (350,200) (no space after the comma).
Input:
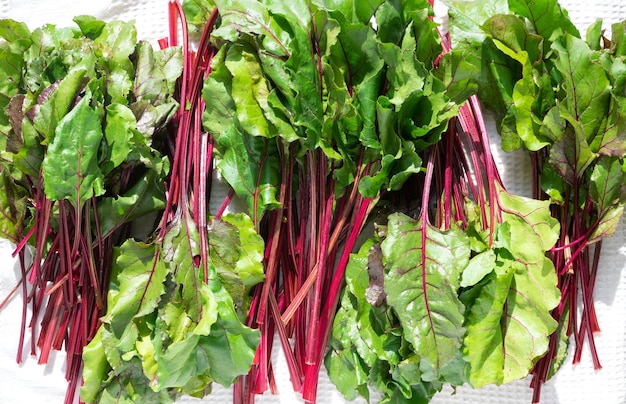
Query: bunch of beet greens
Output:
(82,117)
(562,98)
(173,321)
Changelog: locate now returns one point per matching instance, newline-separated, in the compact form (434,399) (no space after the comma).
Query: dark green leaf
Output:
(70,168)
(571,154)
(137,285)
(157,72)
(120,123)
(607,185)
(546,17)
(90,26)
(586,85)
(56,101)
(251,166)
(144,197)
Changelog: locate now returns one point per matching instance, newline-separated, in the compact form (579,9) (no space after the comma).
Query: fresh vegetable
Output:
(347,108)
(462,293)
(82,116)
(328,119)
(173,323)
(561,97)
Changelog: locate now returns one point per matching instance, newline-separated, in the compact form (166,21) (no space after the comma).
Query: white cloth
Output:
(32,383)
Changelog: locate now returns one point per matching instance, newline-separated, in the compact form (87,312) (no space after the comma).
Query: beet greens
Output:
(374,235)
(172,324)
(562,99)
(346,108)
(83,115)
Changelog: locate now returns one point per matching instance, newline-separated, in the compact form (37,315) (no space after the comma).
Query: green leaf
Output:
(157,72)
(607,185)
(89,25)
(562,343)
(197,13)
(586,85)
(116,41)
(510,37)
(466,18)
(144,197)
(223,355)
(251,165)
(406,74)
(11,72)
(12,208)
(224,250)
(484,340)
(479,266)
(366,348)
(230,346)
(136,285)
(510,319)
(249,90)
(128,385)
(95,369)
(547,18)
(29,157)
(608,223)
(70,168)
(13,31)
(467,65)
(571,155)
(535,216)
(424,268)
(249,266)
(181,252)
(611,140)
(594,35)
(120,123)
(55,102)
(219,113)
(346,371)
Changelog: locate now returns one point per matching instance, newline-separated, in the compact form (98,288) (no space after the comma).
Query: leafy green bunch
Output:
(166,332)
(561,97)
(424,307)
(317,109)
(81,108)
(83,112)
(174,322)
(350,98)
(322,76)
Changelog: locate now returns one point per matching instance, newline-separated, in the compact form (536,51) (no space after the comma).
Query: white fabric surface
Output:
(32,383)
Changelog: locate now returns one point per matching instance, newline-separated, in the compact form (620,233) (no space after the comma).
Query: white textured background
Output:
(32,383)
